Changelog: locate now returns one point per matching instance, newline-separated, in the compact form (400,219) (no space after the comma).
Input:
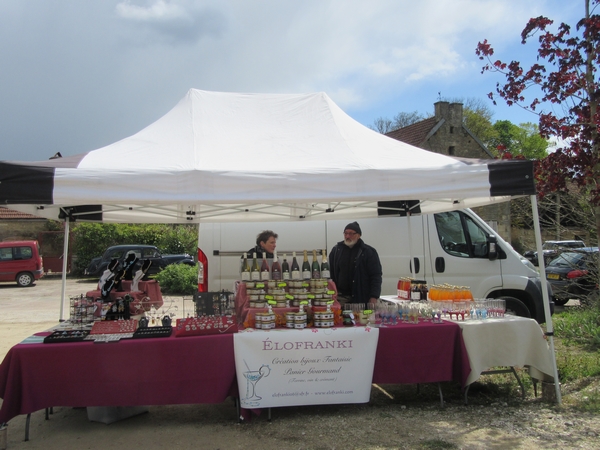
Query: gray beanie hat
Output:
(354,226)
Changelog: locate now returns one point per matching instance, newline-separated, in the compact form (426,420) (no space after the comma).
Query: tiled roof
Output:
(7,214)
(414,134)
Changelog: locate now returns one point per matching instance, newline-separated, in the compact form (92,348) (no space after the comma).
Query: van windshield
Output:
(460,235)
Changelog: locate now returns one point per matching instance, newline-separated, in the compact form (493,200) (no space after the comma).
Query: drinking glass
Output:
(501,307)
(490,307)
(425,310)
(393,314)
(414,312)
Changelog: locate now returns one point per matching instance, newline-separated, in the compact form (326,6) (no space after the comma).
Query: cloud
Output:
(159,11)
(171,22)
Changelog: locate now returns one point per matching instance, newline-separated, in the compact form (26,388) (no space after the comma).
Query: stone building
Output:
(15,225)
(446,133)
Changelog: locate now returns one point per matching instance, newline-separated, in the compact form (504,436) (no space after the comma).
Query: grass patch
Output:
(579,326)
(577,344)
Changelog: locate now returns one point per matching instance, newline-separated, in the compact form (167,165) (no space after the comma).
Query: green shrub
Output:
(178,279)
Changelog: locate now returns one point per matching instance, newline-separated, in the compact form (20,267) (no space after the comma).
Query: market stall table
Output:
(132,372)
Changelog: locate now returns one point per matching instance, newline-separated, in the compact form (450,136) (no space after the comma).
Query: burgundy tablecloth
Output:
(198,369)
(151,371)
(423,353)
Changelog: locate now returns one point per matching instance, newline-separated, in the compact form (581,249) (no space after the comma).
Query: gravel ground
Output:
(398,416)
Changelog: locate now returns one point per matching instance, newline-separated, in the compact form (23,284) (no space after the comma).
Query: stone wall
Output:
(17,229)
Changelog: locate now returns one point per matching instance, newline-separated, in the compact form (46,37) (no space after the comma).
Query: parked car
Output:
(20,261)
(573,274)
(552,249)
(98,265)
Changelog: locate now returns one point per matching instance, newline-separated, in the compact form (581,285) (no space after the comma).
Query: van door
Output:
(7,269)
(458,246)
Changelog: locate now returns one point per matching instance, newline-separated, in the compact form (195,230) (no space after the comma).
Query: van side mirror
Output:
(492,248)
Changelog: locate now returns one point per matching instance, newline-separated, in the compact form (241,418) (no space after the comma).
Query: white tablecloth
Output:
(509,341)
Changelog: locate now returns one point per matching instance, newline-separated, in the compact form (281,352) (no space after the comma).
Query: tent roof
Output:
(227,156)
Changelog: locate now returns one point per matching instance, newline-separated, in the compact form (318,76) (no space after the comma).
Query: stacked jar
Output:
(265,320)
(324,319)
(259,293)
(256,294)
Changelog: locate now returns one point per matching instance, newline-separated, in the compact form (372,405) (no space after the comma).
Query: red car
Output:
(20,261)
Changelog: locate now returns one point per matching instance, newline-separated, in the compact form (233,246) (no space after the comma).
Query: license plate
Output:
(553,276)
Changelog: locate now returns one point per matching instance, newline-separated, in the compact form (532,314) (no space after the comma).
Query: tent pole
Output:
(547,313)
(64,270)
(410,253)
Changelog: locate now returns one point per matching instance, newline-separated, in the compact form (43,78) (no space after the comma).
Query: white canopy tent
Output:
(249,157)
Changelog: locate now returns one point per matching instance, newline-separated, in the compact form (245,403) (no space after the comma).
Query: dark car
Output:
(573,274)
(98,265)
(552,249)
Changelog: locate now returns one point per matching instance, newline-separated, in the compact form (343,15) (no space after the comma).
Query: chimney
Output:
(451,112)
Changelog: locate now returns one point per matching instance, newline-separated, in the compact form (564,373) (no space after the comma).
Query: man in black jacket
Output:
(355,268)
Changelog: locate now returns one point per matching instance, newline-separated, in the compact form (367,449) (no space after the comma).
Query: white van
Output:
(451,247)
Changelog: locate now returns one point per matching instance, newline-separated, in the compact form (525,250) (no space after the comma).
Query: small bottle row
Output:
(284,271)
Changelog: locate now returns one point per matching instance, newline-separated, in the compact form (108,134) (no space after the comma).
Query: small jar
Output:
(268,316)
(268,325)
(301,317)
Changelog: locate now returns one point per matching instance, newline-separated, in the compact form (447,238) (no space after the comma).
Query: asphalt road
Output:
(41,301)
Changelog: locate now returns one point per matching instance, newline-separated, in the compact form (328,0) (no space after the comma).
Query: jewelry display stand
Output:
(81,311)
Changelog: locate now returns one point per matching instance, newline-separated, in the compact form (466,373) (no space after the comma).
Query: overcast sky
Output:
(78,75)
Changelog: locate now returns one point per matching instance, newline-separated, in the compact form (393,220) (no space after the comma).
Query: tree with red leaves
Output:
(565,79)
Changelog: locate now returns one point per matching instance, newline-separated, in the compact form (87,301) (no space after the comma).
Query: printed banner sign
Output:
(305,367)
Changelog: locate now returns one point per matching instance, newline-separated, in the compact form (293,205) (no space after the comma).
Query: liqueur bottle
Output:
(295,268)
(285,268)
(306,267)
(265,272)
(255,270)
(245,268)
(325,272)
(275,268)
(316,270)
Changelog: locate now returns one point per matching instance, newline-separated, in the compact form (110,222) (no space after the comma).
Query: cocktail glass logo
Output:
(252,379)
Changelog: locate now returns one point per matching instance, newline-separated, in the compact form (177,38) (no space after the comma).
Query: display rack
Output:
(220,303)
(81,310)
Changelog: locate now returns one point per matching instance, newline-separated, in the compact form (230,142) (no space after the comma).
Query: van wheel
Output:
(24,279)
(516,307)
